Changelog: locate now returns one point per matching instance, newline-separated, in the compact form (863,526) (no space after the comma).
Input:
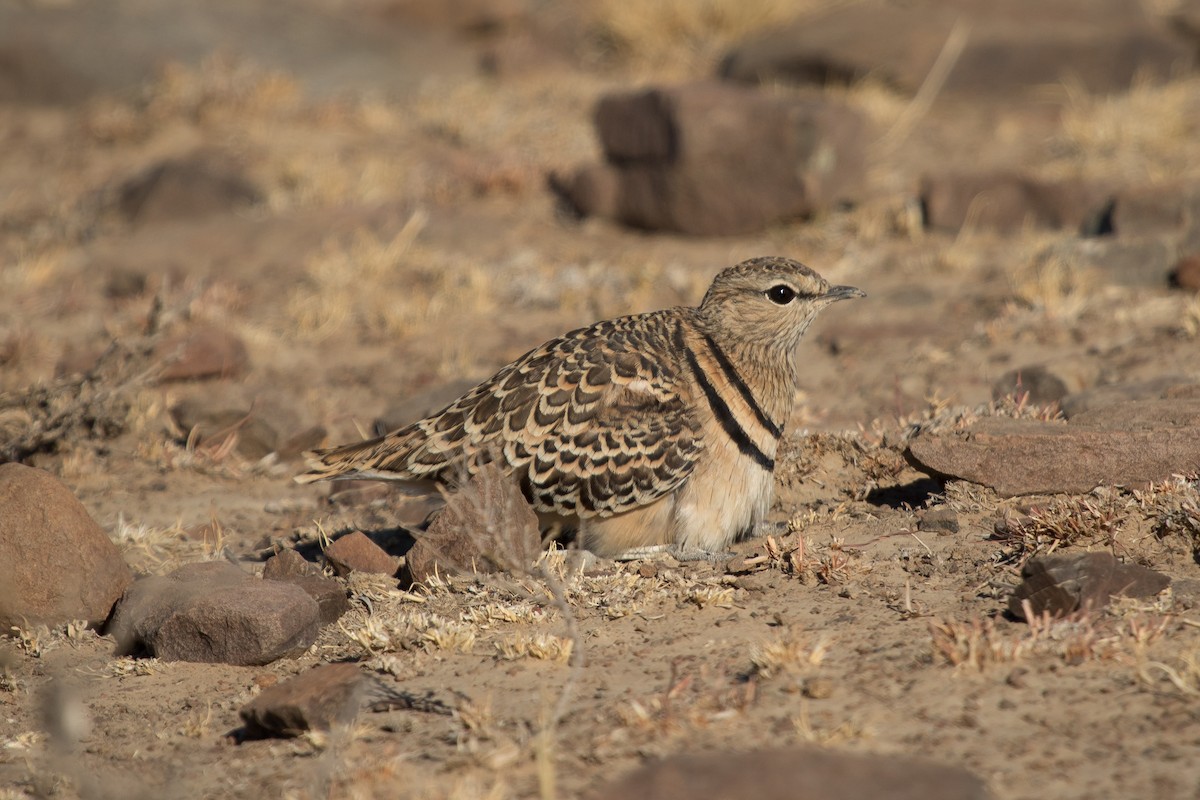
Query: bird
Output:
(640,433)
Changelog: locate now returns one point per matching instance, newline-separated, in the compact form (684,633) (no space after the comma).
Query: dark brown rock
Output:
(1010,48)
(288,564)
(806,773)
(204,351)
(485,527)
(1186,274)
(319,699)
(56,564)
(1007,202)
(1017,457)
(705,158)
(186,188)
(213,612)
(254,436)
(1100,396)
(355,552)
(1060,584)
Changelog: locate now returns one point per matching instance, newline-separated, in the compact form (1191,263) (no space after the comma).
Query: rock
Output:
(204,351)
(354,552)
(213,612)
(1036,383)
(1137,415)
(1125,262)
(288,564)
(319,699)
(1061,584)
(802,773)
(329,595)
(212,428)
(941,520)
(1186,274)
(1153,389)
(185,188)
(1017,457)
(1007,202)
(56,564)
(291,567)
(705,158)
(486,526)
(1010,48)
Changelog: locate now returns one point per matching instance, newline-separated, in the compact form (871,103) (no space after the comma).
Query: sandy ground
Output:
(404,241)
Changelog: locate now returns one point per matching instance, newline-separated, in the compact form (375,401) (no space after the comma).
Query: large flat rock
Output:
(1125,446)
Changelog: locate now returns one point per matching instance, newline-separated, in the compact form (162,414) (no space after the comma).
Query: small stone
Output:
(287,564)
(648,569)
(204,351)
(318,699)
(1060,584)
(1036,384)
(213,612)
(355,552)
(818,688)
(940,520)
(56,564)
(800,772)
(1186,274)
(486,526)
(204,426)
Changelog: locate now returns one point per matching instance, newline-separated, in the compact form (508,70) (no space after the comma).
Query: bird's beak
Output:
(844,293)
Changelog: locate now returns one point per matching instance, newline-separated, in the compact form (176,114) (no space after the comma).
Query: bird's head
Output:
(769,301)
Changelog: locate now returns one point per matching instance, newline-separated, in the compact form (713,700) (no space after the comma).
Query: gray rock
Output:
(939,520)
(1061,584)
(319,699)
(288,564)
(802,773)
(485,527)
(56,564)
(1037,383)
(213,612)
(1017,457)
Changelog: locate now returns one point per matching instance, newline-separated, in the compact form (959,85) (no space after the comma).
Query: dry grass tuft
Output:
(788,654)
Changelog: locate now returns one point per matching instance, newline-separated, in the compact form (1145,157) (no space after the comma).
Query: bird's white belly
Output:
(728,494)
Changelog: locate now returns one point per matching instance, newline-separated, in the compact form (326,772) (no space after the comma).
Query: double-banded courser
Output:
(641,431)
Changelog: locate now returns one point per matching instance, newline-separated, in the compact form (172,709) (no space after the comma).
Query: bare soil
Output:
(405,241)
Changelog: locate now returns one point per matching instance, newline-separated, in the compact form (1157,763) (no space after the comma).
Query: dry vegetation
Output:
(409,242)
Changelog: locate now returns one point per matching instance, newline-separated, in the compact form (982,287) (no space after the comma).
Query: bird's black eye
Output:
(781,294)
